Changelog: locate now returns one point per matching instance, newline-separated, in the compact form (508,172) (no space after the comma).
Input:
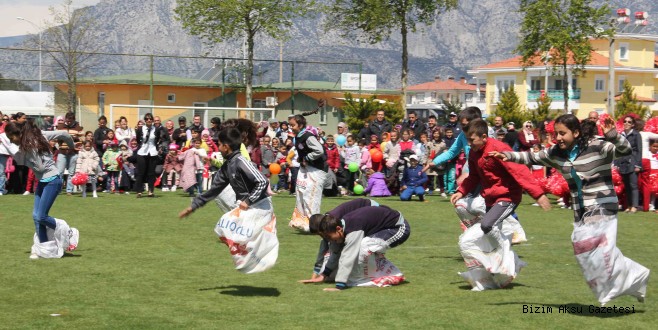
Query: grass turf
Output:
(139,266)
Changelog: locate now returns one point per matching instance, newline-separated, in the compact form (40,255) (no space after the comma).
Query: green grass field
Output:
(139,266)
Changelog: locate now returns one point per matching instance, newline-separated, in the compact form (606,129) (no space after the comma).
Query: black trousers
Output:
(145,172)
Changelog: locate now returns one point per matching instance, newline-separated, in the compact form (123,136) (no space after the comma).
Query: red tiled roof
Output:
(515,62)
(439,85)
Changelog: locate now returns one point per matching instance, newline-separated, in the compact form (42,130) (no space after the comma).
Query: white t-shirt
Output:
(148,147)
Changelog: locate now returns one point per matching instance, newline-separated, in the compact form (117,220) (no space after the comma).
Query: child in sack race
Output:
(585,162)
(250,188)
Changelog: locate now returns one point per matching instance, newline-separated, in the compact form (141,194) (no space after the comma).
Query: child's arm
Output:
(347,260)
(219,183)
(251,173)
(453,152)
(524,177)
(469,184)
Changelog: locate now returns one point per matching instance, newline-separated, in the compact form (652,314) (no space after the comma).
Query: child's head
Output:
(205,134)
(537,147)
(265,140)
(373,139)
(436,134)
(331,229)
(88,145)
(449,132)
(229,140)
(370,172)
(195,133)
(173,148)
(330,140)
(133,143)
(114,146)
(386,136)
(413,161)
(275,143)
(653,146)
(363,143)
(423,137)
(394,136)
(500,135)
(568,131)
(406,135)
(477,134)
(196,143)
(282,148)
(89,135)
(109,135)
(123,146)
(350,140)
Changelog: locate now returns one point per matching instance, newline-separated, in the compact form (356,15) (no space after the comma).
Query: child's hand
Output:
(243,206)
(608,125)
(315,279)
(455,197)
(498,155)
(185,213)
(544,202)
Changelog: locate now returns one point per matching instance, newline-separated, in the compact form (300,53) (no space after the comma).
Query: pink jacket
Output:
(366,160)
(191,163)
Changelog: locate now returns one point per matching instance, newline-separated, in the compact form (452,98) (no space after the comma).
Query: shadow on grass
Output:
(245,291)
(576,309)
(510,286)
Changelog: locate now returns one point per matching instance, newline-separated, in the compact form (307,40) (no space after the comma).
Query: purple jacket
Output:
(377,185)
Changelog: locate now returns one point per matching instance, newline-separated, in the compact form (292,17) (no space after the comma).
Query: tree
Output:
(543,109)
(217,21)
(561,28)
(357,113)
(509,108)
(7,84)
(69,41)
(377,19)
(453,105)
(628,103)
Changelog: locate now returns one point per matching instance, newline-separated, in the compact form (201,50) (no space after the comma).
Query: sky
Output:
(33,10)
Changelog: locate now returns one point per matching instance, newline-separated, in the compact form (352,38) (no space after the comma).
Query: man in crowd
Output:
(380,125)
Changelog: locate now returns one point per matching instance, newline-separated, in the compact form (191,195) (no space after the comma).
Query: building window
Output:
(599,84)
(623,51)
(323,115)
(433,97)
(468,97)
(101,103)
(259,103)
(535,84)
(420,98)
(503,84)
(559,84)
(620,83)
(171,98)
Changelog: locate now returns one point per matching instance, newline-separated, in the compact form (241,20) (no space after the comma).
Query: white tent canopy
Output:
(30,103)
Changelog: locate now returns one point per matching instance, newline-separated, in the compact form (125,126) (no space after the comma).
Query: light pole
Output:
(40,62)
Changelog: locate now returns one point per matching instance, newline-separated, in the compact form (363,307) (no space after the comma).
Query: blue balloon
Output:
(341,140)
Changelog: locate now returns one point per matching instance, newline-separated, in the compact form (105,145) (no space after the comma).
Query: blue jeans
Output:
(44,197)
(410,191)
(3,177)
(67,162)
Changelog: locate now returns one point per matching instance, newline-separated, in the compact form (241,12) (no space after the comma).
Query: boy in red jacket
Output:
(502,182)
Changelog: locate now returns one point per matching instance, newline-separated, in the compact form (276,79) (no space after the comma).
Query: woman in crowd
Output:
(149,141)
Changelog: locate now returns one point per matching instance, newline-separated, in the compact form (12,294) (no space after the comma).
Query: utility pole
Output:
(40,43)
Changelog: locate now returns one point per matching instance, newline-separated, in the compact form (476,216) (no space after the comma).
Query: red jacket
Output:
(501,181)
(406,145)
(333,157)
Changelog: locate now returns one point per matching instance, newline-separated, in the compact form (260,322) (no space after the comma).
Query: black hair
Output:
(148,115)
(314,223)
(231,137)
(447,129)
(246,127)
(478,127)
(102,118)
(632,119)
(431,117)
(30,137)
(470,113)
(587,129)
(328,224)
(300,120)
(216,120)
(412,113)
(652,141)
(70,115)
(363,142)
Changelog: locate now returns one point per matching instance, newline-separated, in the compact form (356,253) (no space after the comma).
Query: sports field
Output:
(139,266)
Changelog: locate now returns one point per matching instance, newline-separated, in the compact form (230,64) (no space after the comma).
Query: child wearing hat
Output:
(172,168)
(413,179)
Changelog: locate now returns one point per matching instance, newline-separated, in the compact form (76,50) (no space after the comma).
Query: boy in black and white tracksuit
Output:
(385,228)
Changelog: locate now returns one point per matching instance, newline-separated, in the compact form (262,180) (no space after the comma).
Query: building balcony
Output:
(554,94)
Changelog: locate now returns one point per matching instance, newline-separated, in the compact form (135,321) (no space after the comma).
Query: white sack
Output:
(62,238)
(470,211)
(226,200)
(310,183)
(250,236)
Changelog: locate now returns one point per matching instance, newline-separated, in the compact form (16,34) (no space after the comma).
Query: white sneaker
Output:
(444,195)
(165,189)
(34,256)
(535,204)
(173,188)
(437,189)
(95,195)
(127,193)
(26,193)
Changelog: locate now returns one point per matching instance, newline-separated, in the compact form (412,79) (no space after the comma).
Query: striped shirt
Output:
(588,172)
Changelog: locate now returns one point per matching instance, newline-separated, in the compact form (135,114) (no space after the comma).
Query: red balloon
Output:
(79,179)
(275,168)
(377,156)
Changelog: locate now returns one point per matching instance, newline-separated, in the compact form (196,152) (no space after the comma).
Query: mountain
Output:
(11,41)
(477,33)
